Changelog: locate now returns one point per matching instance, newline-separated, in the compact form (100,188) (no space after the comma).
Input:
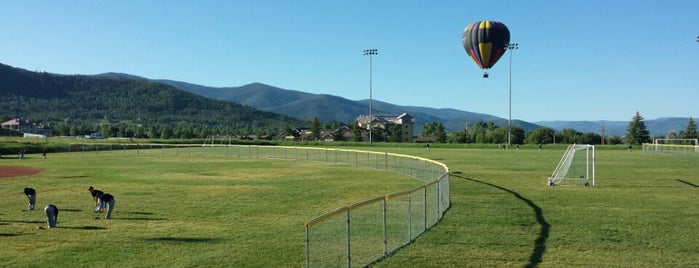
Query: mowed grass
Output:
(643,212)
(239,212)
(171,211)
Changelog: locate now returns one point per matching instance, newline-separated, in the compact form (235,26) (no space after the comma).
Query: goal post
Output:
(577,167)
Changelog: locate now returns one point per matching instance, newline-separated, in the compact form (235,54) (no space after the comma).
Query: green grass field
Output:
(643,212)
(179,211)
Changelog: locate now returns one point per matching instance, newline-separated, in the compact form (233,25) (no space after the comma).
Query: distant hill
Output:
(661,126)
(332,108)
(120,98)
(124,97)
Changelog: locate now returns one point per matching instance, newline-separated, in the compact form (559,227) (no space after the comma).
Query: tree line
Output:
(489,132)
(481,132)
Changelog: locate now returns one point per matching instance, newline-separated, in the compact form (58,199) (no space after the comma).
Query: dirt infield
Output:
(9,172)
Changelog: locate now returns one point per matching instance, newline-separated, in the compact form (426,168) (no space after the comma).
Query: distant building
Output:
(27,127)
(384,122)
(95,135)
(305,134)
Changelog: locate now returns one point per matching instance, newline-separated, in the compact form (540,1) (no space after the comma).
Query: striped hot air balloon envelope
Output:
(485,42)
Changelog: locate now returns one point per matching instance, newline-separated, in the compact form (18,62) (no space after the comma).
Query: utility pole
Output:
(510,47)
(370,53)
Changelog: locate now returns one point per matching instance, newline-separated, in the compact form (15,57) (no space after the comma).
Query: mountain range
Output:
(126,96)
(90,99)
(333,108)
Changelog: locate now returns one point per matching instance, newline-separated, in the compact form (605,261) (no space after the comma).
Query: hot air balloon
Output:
(485,42)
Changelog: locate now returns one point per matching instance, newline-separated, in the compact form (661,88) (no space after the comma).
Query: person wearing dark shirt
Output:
(95,194)
(31,194)
(106,201)
(51,215)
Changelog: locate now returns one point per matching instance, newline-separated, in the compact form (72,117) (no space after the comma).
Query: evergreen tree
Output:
(288,131)
(153,132)
(672,135)
(106,131)
(165,132)
(356,132)
(518,135)
(436,131)
(379,134)
(691,131)
(441,135)
(636,133)
(315,129)
(139,132)
(395,133)
(339,134)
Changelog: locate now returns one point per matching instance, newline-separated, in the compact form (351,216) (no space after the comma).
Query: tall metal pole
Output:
(510,47)
(370,53)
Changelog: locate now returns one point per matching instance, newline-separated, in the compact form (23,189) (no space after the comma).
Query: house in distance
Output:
(387,123)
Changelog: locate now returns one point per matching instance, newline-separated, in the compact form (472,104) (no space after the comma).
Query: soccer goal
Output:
(214,140)
(675,146)
(577,167)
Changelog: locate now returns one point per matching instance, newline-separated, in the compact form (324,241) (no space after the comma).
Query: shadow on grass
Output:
(540,243)
(9,235)
(183,239)
(84,227)
(138,219)
(69,210)
(138,213)
(15,221)
(73,177)
(688,183)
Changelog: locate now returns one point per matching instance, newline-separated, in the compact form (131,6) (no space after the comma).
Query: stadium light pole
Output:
(510,47)
(370,53)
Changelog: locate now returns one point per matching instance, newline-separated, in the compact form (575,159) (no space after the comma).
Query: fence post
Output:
(349,240)
(410,217)
(424,207)
(308,254)
(439,203)
(385,227)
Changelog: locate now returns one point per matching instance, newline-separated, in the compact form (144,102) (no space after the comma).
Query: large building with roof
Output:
(384,122)
(27,127)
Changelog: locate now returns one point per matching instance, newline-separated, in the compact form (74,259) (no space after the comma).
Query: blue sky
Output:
(577,60)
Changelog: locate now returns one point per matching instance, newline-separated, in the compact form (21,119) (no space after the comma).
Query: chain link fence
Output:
(357,234)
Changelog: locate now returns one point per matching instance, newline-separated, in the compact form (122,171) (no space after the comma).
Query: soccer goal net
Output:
(577,167)
(674,146)
(214,140)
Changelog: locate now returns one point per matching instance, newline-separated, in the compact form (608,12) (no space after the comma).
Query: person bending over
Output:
(106,201)
(31,194)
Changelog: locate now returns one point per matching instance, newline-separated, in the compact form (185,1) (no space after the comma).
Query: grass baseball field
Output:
(226,211)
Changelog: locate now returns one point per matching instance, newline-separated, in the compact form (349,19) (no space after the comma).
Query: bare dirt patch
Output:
(9,172)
